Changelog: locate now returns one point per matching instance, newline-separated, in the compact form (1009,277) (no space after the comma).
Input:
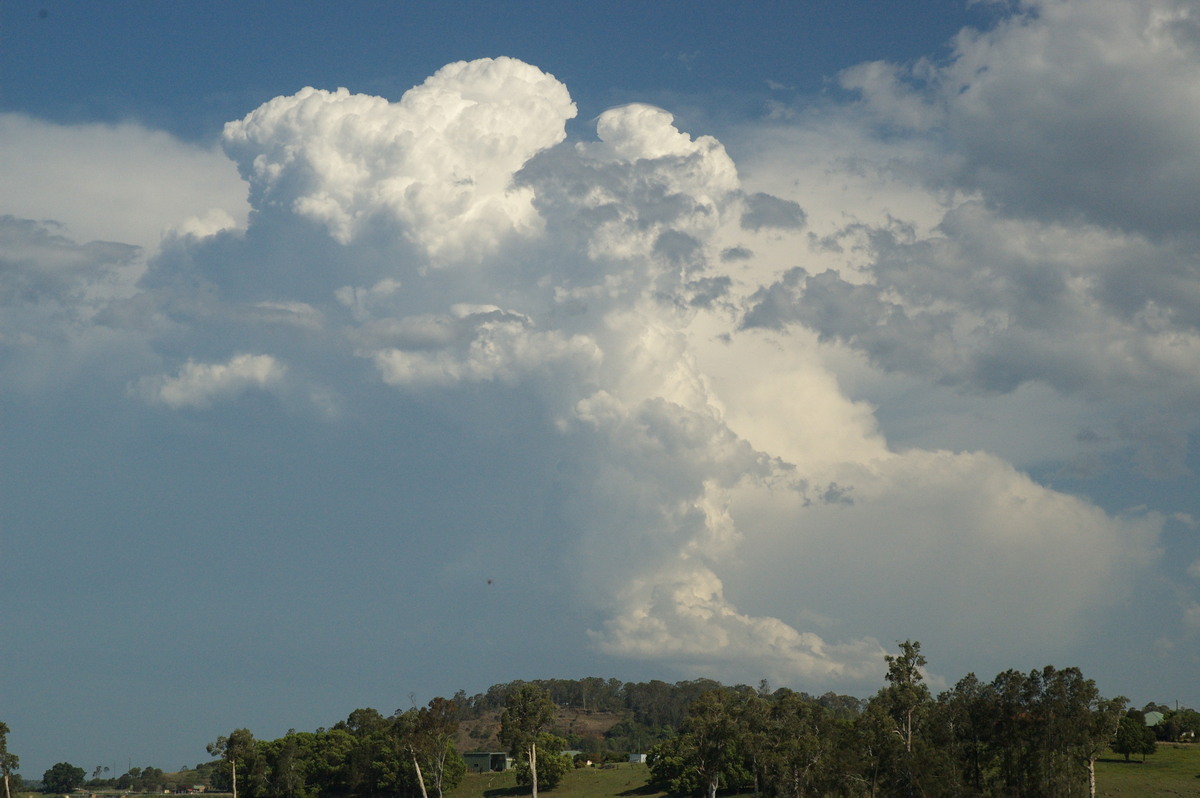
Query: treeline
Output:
(1021,735)
(649,712)
(367,755)
(65,777)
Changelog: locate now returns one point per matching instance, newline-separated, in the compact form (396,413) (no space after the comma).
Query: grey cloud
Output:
(679,249)
(53,298)
(858,315)
(766,211)
(1160,446)
(40,266)
(707,291)
(989,303)
(1065,111)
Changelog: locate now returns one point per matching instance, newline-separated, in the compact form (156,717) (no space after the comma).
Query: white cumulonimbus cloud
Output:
(682,337)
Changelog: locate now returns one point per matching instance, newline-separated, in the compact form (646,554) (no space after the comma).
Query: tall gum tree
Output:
(9,763)
(239,743)
(713,725)
(527,712)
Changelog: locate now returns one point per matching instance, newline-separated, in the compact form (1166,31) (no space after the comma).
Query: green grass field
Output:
(620,780)
(1173,771)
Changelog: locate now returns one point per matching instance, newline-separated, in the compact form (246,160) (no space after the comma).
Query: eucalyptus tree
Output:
(427,736)
(1101,726)
(894,720)
(803,738)
(238,745)
(9,763)
(528,711)
(713,727)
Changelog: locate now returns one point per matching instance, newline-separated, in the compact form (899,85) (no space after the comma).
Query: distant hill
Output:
(575,725)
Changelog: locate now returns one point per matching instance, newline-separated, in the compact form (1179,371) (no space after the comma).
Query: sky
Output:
(356,354)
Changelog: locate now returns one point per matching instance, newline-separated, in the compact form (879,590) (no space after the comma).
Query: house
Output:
(637,759)
(487,761)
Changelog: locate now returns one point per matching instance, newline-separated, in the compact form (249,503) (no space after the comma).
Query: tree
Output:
(62,778)
(527,712)
(906,696)
(670,767)
(1100,730)
(803,735)
(713,729)
(9,763)
(893,719)
(374,764)
(1134,737)
(552,763)
(428,736)
(284,762)
(238,745)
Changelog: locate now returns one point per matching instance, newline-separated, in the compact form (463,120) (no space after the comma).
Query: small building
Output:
(637,759)
(487,761)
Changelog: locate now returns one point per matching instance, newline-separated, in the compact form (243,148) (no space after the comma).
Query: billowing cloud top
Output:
(440,162)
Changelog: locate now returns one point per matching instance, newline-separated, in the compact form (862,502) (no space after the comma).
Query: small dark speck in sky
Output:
(43,13)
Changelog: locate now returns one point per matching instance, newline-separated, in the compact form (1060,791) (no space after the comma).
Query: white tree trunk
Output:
(420,778)
(533,767)
(233,765)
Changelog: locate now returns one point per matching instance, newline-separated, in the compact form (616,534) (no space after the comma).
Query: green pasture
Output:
(1173,771)
(624,780)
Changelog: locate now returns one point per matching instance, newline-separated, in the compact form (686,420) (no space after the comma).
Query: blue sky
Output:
(651,341)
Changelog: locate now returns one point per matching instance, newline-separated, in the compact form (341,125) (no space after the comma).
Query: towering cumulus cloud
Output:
(595,281)
(662,363)
(440,161)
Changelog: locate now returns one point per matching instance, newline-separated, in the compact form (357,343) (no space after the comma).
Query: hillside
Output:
(483,733)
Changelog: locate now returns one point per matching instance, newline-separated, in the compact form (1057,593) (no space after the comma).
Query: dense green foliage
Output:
(1133,736)
(552,763)
(147,779)
(1035,734)
(365,756)
(528,711)
(63,777)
